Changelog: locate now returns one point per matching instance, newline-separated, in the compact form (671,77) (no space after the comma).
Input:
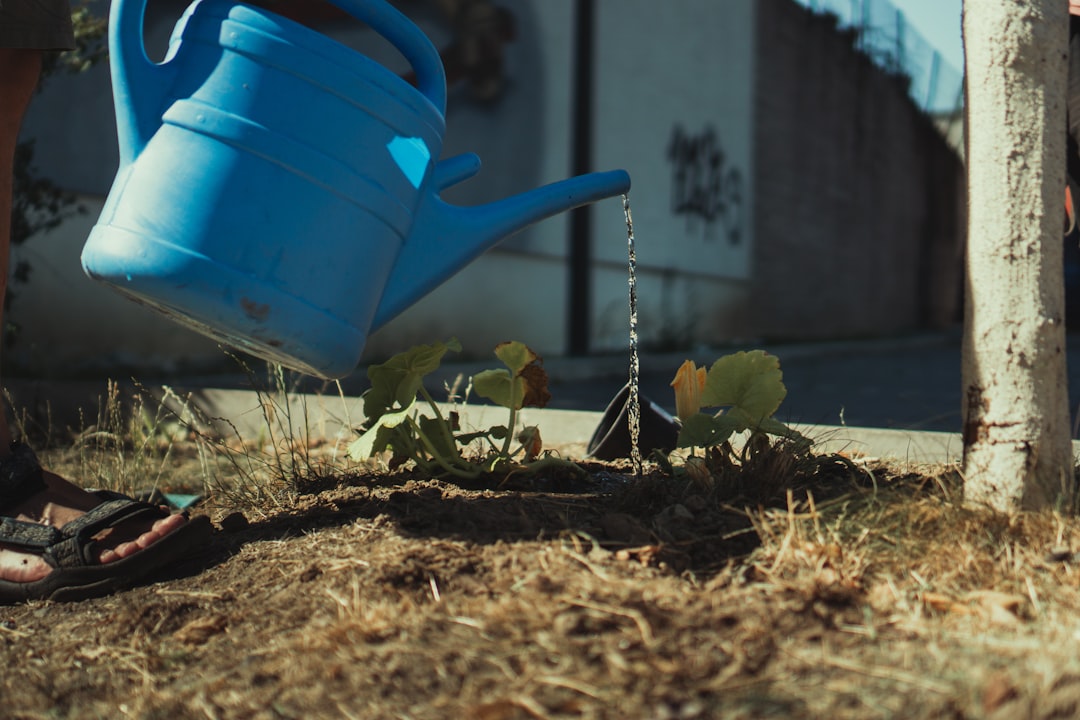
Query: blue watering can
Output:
(280,192)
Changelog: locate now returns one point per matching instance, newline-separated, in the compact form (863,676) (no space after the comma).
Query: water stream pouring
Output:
(280,191)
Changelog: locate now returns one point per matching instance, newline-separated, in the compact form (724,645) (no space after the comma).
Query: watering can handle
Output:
(409,40)
(138,118)
(132,71)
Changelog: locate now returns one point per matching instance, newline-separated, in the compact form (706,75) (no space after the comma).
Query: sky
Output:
(939,22)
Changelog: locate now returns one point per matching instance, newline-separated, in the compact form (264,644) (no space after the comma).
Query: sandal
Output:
(71,549)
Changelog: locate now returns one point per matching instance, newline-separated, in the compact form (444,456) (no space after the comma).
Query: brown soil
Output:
(791,590)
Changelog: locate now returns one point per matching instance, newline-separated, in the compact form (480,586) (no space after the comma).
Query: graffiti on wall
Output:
(705,187)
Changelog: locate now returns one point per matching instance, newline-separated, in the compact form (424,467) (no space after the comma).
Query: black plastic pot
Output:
(611,440)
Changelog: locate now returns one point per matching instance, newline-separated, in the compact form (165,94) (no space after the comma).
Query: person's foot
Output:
(60,503)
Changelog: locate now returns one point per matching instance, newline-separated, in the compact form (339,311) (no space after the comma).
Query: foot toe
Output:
(157,531)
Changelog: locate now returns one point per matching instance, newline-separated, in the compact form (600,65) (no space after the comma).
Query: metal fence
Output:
(885,36)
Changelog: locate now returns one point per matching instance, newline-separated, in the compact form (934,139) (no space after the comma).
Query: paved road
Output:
(911,384)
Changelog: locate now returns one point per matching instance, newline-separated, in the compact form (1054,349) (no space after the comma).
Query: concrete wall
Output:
(859,198)
(784,187)
(674,105)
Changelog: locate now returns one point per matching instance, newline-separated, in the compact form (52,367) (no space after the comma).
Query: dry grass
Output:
(792,588)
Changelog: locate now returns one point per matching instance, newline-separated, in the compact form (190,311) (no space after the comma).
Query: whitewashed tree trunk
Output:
(1017,449)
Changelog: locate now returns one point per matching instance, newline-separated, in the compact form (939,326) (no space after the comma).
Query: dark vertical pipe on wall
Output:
(579,302)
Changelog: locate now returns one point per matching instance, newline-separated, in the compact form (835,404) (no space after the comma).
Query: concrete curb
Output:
(242,412)
(906,445)
(329,417)
(251,415)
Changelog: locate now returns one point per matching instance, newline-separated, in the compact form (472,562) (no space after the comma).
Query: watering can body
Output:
(280,192)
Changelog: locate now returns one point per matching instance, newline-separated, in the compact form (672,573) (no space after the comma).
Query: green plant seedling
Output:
(435,443)
(748,389)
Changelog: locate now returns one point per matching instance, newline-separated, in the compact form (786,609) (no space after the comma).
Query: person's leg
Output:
(1072,178)
(55,502)
(1072,111)
(19,70)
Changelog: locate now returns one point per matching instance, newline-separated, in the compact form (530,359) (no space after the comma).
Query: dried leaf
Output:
(999,689)
(200,630)
(536,386)
(529,437)
(941,603)
(999,607)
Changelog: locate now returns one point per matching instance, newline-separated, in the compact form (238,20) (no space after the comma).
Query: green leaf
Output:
(436,431)
(663,461)
(703,430)
(740,419)
(775,427)
(749,381)
(395,382)
(375,439)
(515,355)
(498,432)
(522,383)
(465,439)
(500,387)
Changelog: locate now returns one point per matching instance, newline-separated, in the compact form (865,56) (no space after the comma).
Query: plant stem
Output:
(437,457)
(444,426)
(509,433)
(513,418)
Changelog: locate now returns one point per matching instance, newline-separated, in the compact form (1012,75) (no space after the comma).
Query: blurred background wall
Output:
(792,179)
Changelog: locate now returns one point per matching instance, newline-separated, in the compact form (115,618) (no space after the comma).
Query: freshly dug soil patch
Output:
(842,590)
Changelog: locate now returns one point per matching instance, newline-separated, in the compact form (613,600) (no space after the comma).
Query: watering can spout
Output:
(447,237)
